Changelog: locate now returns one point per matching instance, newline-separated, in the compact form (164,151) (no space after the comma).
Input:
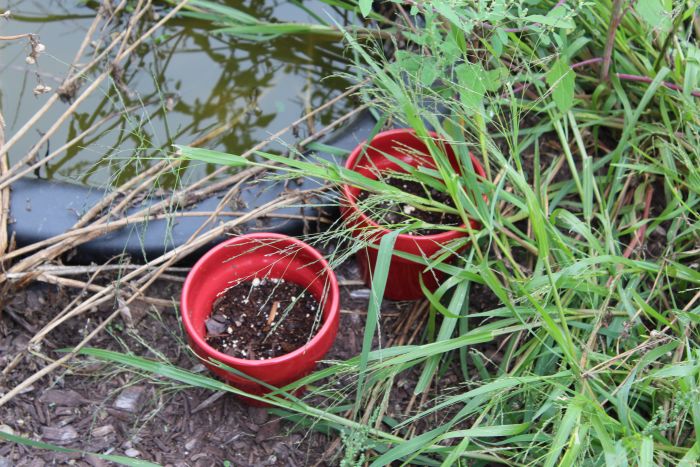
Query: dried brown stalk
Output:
(273,312)
(76,284)
(4,194)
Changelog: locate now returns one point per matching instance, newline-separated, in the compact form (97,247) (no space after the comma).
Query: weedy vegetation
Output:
(585,118)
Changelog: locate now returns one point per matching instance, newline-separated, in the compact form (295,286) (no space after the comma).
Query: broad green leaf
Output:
(429,72)
(656,13)
(447,11)
(408,61)
(556,18)
(365,7)
(475,81)
(562,79)
(472,79)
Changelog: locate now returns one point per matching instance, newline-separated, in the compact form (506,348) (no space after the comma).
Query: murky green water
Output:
(182,85)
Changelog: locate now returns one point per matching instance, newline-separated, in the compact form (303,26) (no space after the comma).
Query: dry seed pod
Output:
(41,89)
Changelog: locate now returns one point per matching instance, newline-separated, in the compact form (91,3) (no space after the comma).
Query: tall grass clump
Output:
(585,117)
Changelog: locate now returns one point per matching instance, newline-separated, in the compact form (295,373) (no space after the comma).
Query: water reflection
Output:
(185,83)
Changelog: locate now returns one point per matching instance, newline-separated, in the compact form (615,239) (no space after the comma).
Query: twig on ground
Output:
(4,194)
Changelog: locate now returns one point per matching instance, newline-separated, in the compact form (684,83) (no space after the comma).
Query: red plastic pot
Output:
(261,255)
(403,282)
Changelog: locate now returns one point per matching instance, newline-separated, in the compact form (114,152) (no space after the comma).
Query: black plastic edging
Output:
(41,209)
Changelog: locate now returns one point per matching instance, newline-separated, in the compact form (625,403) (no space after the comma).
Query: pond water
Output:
(184,84)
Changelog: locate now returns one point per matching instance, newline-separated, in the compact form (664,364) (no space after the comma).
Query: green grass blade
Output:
(123,460)
(446,330)
(569,422)
(379,277)
(646,452)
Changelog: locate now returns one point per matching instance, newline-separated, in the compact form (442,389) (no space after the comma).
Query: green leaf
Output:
(692,69)
(365,7)
(562,79)
(646,452)
(446,330)
(223,12)
(488,431)
(613,455)
(211,157)
(429,73)
(555,18)
(500,385)
(408,447)
(123,460)
(379,277)
(448,12)
(434,300)
(656,13)
(408,61)
(691,457)
(677,370)
(471,78)
(571,419)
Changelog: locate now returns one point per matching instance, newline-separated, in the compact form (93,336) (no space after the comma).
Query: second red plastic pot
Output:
(403,282)
(260,255)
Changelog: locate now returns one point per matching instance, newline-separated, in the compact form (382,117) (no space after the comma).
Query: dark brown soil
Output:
(550,154)
(263,318)
(657,241)
(482,298)
(392,213)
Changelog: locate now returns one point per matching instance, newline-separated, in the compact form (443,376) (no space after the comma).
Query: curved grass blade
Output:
(123,460)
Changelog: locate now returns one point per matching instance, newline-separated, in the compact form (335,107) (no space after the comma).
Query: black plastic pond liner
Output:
(42,209)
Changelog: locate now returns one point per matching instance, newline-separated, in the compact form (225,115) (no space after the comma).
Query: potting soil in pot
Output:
(392,212)
(262,319)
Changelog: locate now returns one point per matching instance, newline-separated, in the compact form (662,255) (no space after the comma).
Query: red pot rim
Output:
(442,237)
(333,296)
